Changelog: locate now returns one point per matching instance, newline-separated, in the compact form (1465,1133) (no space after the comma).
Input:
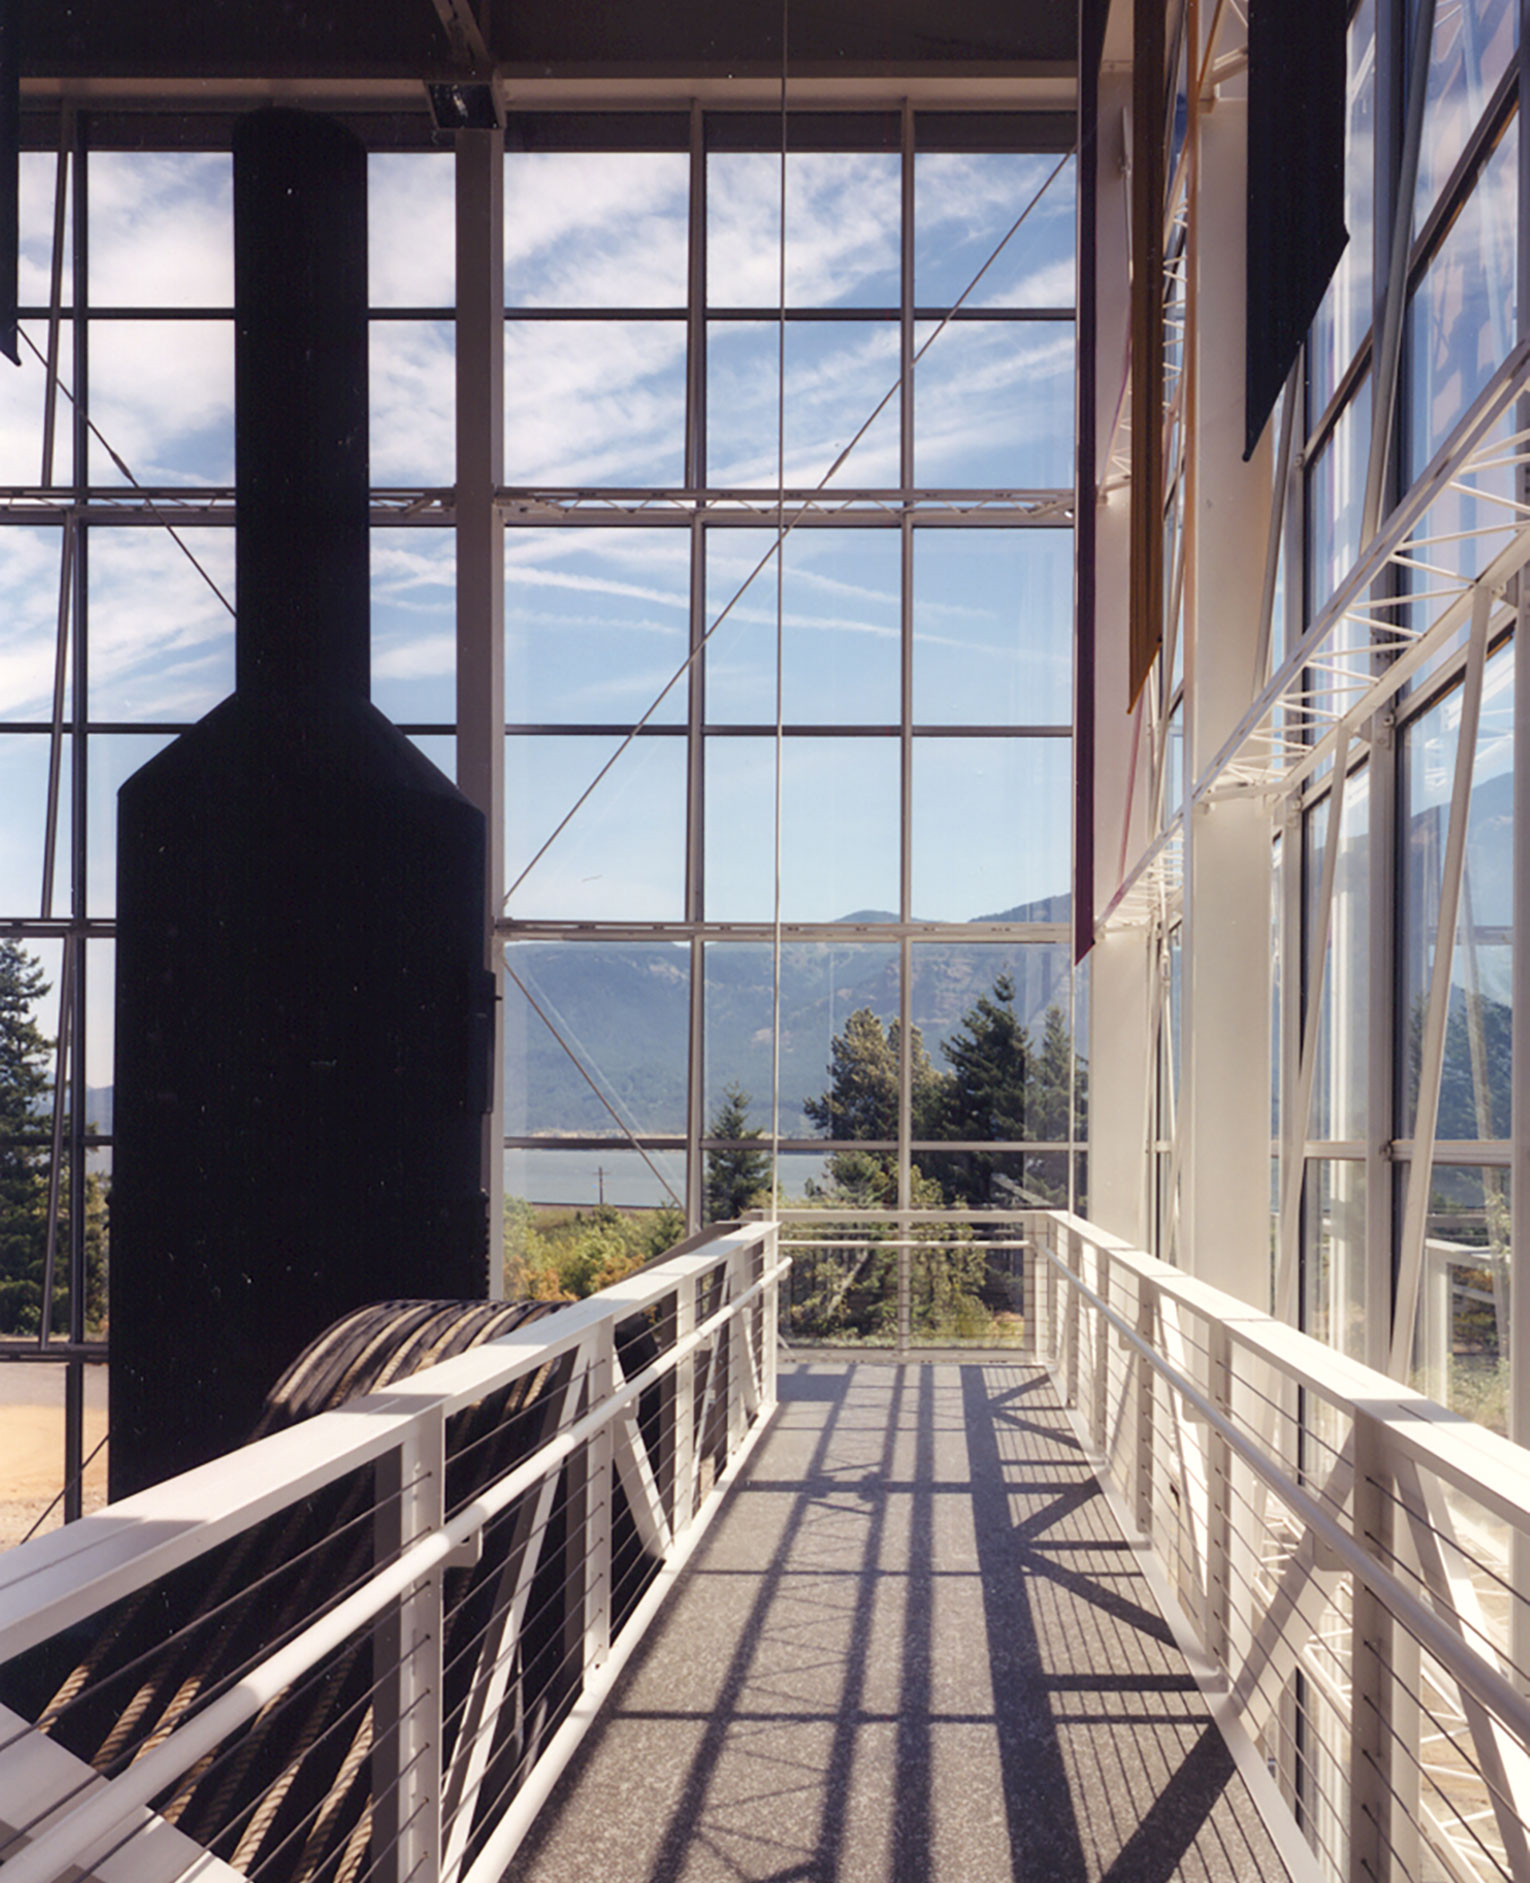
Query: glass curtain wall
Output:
(886,651)
(1366,1258)
(789,598)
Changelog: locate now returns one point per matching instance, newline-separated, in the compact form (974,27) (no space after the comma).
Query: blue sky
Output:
(599,619)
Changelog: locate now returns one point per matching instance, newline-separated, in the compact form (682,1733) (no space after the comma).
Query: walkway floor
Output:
(913,1648)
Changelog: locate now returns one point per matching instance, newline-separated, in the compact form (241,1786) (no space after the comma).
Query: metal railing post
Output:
(1030,1281)
(684,1499)
(406,1646)
(738,1350)
(1142,1476)
(1219,1537)
(1099,1424)
(1370,1660)
(770,1323)
(598,1477)
(1070,1376)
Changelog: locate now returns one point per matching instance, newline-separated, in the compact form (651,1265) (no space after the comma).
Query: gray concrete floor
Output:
(913,1647)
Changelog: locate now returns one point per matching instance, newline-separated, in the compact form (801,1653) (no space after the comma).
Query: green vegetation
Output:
(738,1179)
(26,1086)
(998,1086)
(564,1255)
(1001,1087)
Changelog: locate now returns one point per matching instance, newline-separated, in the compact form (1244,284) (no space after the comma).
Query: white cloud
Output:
(161,229)
(596,229)
(411,229)
(162,395)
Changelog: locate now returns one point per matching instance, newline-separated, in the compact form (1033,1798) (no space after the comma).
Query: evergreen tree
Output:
(989,1096)
(862,1099)
(25,1080)
(735,1177)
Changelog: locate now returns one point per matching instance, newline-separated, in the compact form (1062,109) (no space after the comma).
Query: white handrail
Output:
(1343,1555)
(62,1579)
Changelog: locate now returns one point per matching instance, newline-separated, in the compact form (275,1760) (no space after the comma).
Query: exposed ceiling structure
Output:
(543,52)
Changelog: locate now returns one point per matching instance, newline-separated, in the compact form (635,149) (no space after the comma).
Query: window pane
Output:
(993,405)
(1333,1259)
(161,642)
(623,1010)
(1345,314)
(39,172)
(1461,1346)
(1461,318)
(21,411)
(1474,1088)
(29,578)
(32,1475)
(413,415)
(161,229)
(991,830)
(994,1020)
(841,634)
(839,836)
(963,207)
(112,758)
(595,402)
(162,393)
(843,211)
(411,229)
(993,627)
(1341,1078)
(1472,46)
(24,792)
(597,623)
(822,985)
(1335,499)
(577,1180)
(596,228)
(622,857)
(414,625)
(837,375)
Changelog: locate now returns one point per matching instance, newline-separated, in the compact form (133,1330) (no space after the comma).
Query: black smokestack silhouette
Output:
(302,1005)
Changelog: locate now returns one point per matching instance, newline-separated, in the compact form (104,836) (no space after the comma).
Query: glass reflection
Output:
(1341,1074)
(1475,1082)
(1335,501)
(1461,318)
(1344,318)
(1333,1255)
(1472,47)
(1461,1343)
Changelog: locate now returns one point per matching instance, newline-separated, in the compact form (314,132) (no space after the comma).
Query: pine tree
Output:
(989,1096)
(737,1176)
(25,1080)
